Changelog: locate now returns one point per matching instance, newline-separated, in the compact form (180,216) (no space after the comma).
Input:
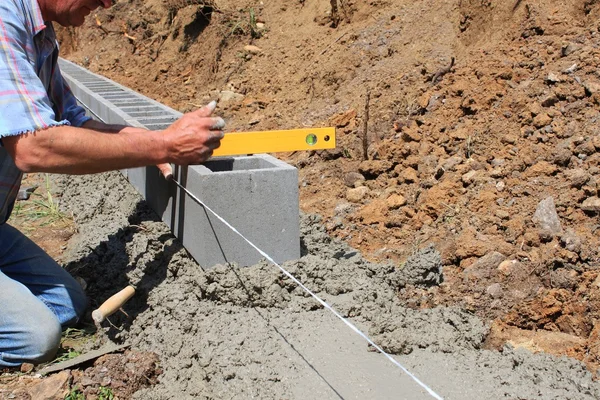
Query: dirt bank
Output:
(229,333)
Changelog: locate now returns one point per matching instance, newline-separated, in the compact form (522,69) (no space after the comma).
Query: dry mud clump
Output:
(229,332)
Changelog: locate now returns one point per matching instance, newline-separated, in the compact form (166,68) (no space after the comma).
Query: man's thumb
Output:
(207,110)
(166,171)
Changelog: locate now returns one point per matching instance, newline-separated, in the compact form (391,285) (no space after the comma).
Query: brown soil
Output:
(458,159)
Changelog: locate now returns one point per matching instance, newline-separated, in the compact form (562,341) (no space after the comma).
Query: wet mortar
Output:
(229,332)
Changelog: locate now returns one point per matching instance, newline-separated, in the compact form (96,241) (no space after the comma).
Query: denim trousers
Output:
(38,299)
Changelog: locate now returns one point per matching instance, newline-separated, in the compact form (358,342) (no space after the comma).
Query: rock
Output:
(586,148)
(571,69)
(26,368)
(254,50)
(569,48)
(451,163)
(542,120)
(25,192)
(395,201)
(502,214)
(408,175)
(494,290)
(509,139)
(485,267)
(542,168)
(591,204)
(228,95)
(578,177)
(596,282)
(469,177)
(596,142)
(356,195)
(562,157)
(591,87)
(535,341)
(54,387)
(546,218)
(500,186)
(552,78)
(344,119)
(411,134)
(508,267)
(374,168)
(352,178)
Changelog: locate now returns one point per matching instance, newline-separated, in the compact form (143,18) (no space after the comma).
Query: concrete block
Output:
(257,194)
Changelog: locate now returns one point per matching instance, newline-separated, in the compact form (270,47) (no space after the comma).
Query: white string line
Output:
(322,302)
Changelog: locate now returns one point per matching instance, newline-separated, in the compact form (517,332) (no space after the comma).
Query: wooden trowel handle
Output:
(113,303)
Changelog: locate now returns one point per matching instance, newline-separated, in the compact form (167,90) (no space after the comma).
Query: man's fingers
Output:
(218,124)
(207,110)
(166,171)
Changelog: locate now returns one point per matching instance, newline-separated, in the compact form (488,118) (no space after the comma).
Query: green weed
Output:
(41,206)
(75,394)
(105,393)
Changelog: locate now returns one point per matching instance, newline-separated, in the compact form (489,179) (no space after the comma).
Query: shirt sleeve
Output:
(24,102)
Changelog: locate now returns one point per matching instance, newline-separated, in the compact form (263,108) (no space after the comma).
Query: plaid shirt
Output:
(33,94)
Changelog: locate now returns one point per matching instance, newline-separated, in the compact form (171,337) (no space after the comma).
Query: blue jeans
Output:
(38,298)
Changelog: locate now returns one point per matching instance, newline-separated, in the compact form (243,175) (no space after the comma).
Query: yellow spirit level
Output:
(237,143)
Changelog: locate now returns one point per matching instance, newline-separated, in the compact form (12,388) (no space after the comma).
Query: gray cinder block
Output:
(256,194)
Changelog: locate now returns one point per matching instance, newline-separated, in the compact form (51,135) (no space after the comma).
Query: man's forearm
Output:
(65,149)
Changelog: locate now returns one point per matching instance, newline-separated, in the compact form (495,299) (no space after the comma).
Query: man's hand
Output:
(192,139)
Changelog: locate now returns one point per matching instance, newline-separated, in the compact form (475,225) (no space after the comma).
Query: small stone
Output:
(494,290)
(552,78)
(502,214)
(451,163)
(596,142)
(578,177)
(26,368)
(542,120)
(509,139)
(469,177)
(497,173)
(352,178)
(408,175)
(53,387)
(411,134)
(591,204)
(568,49)
(252,49)
(228,95)
(546,218)
(571,241)
(500,186)
(571,69)
(562,157)
(395,201)
(484,267)
(507,267)
(597,282)
(542,168)
(356,195)
(374,168)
